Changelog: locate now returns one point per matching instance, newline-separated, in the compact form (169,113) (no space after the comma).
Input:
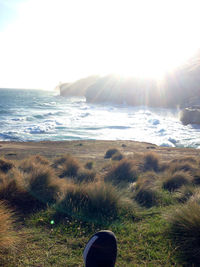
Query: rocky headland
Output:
(180,89)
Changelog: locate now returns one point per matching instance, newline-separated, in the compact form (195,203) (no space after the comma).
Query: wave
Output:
(9,137)
(5,111)
(38,116)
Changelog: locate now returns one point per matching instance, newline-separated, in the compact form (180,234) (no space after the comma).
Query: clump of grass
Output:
(12,191)
(147,197)
(185,231)
(192,160)
(40,159)
(97,202)
(5,165)
(41,184)
(147,193)
(110,152)
(89,165)
(27,165)
(176,180)
(182,166)
(185,193)
(67,166)
(117,156)
(151,162)
(122,173)
(85,176)
(197,177)
(8,237)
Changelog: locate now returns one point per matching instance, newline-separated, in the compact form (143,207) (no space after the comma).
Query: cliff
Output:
(77,88)
(178,89)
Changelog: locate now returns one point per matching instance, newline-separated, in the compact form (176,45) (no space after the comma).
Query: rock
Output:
(190,116)
(77,88)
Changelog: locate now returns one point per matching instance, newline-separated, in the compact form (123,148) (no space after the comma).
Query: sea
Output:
(38,115)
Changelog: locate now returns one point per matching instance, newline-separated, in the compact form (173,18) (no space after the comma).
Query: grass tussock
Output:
(176,180)
(182,166)
(185,193)
(13,191)
(110,152)
(147,193)
(27,192)
(97,202)
(87,201)
(197,177)
(185,231)
(66,166)
(27,165)
(85,176)
(5,165)
(151,162)
(40,159)
(89,165)
(122,173)
(191,160)
(117,156)
(8,236)
(41,184)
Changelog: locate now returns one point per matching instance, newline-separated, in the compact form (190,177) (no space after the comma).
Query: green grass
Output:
(141,242)
(75,206)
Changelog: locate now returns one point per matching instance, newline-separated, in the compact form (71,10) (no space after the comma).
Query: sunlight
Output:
(54,41)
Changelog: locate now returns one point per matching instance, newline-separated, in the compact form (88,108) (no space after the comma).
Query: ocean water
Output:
(35,115)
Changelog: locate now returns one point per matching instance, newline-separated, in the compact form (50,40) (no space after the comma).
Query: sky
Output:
(44,42)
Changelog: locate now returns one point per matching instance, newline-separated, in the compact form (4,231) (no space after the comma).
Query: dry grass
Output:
(110,152)
(85,176)
(197,177)
(8,236)
(41,184)
(192,160)
(40,159)
(182,166)
(117,156)
(147,191)
(5,165)
(151,162)
(89,165)
(27,165)
(12,191)
(176,180)
(185,231)
(87,201)
(66,166)
(95,202)
(185,193)
(122,173)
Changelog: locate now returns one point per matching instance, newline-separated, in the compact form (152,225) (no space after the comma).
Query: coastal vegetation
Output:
(53,205)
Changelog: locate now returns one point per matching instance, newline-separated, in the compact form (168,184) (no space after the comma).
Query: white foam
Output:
(43,116)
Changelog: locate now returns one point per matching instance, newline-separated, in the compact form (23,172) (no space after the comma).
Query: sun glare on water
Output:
(54,41)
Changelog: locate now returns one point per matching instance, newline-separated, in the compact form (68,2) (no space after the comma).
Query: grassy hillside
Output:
(50,206)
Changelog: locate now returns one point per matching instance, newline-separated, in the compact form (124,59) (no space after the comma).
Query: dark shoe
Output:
(101,250)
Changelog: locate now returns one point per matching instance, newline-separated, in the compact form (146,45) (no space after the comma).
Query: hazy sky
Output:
(43,42)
